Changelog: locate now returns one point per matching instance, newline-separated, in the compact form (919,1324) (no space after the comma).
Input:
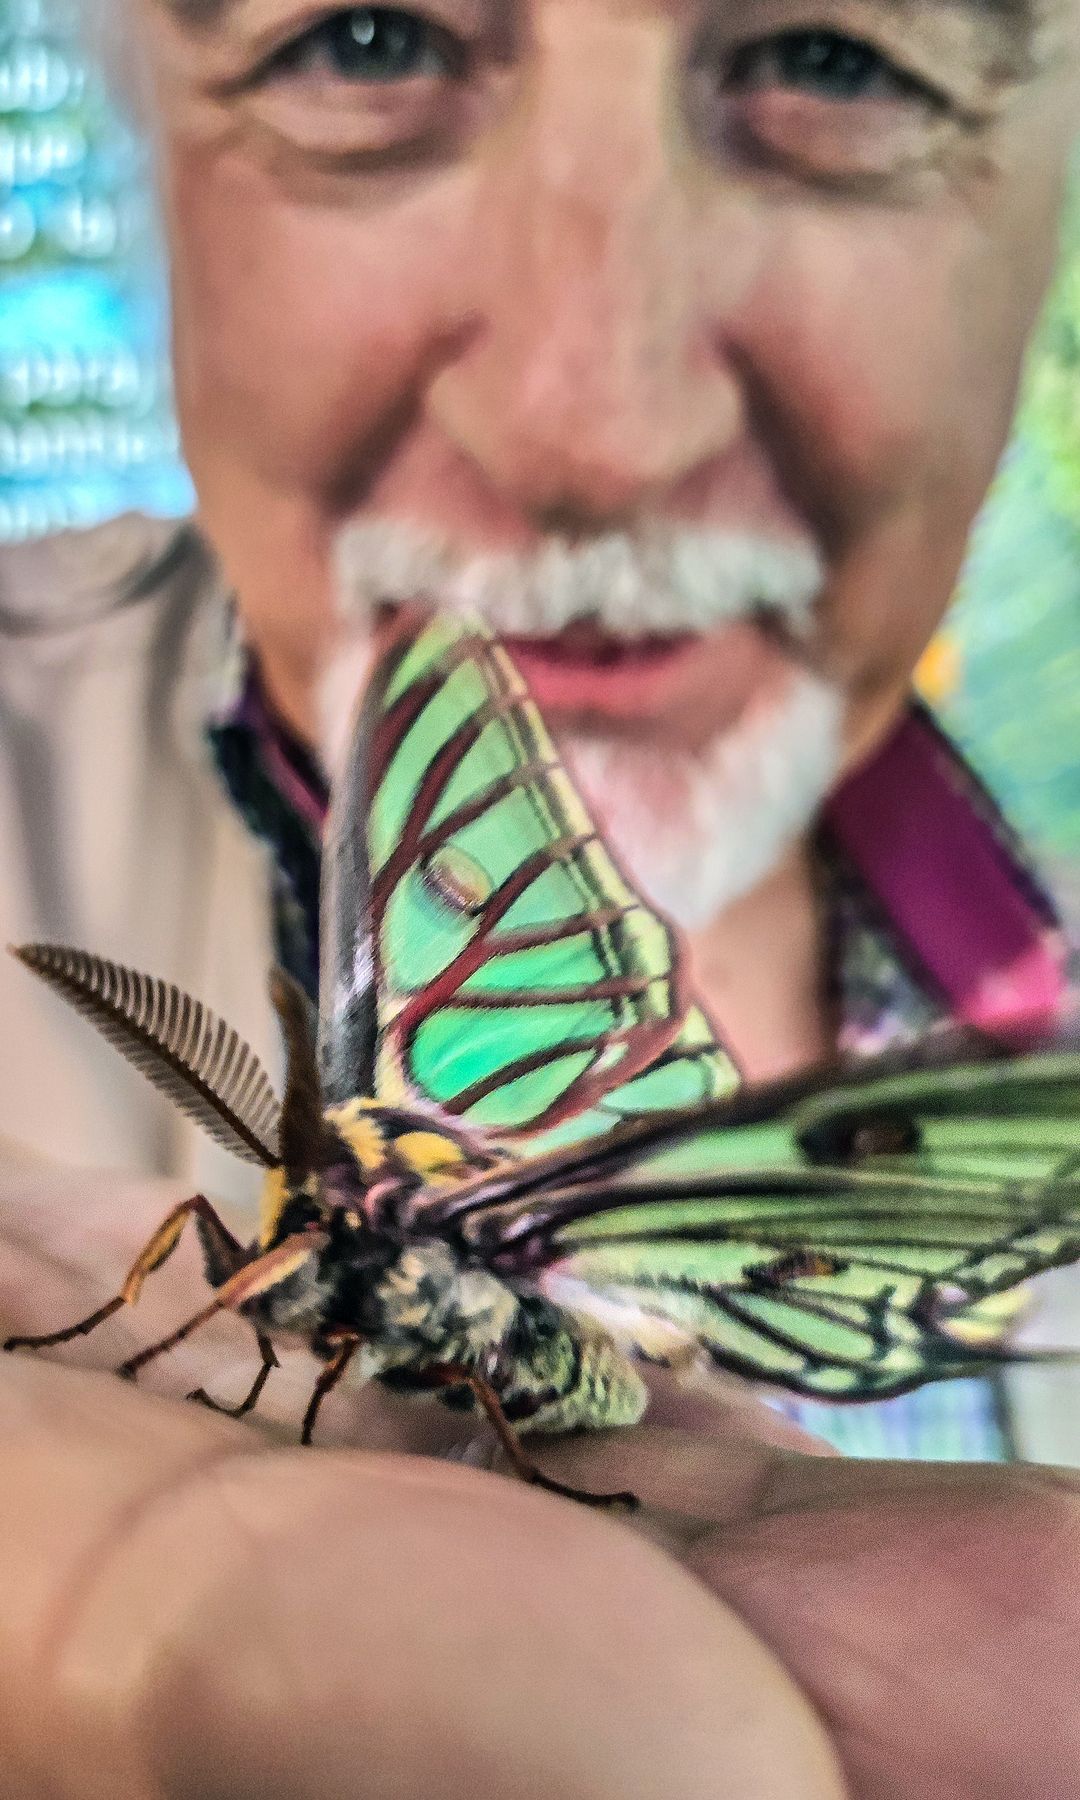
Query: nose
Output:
(591,384)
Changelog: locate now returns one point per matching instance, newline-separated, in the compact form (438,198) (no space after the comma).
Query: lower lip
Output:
(613,680)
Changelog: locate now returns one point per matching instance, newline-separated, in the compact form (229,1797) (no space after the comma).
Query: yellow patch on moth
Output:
(358,1124)
(437,1160)
(270,1271)
(275,1193)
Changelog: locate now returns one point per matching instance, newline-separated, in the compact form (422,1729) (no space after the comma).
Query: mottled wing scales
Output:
(191,1055)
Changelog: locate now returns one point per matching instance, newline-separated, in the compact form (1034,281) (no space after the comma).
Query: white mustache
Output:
(657,579)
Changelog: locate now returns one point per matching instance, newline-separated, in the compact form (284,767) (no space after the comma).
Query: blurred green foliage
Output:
(1015,624)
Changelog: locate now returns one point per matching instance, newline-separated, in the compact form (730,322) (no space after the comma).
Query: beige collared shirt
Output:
(117,837)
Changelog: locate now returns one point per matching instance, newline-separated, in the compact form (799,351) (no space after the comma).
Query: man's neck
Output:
(291,691)
(758,969)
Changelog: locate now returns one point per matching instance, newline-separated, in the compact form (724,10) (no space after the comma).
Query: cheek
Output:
(883,349)
(887,350)
(299,327)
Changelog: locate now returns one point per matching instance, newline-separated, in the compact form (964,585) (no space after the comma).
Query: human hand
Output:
(189,1609)
(218,1616)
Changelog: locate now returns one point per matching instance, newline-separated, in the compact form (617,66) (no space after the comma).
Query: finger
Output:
(703,1399)
(184,1611)
(67,1237)
(946,1594)
(687,1485)
(705,1455)
(354,1624)
(82,1458)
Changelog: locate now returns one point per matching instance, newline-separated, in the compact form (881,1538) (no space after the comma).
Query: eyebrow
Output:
(1023,16)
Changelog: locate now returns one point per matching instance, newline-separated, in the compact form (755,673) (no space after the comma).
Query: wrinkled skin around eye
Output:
(822,63)
(196,1607)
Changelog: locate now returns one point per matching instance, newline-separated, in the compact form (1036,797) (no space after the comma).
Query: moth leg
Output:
(254,1278)
(349,1344)
(454,1375)
(220,1247)
(250,1400)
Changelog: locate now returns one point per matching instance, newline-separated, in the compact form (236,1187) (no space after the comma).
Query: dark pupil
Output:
(825,63)
(375,42)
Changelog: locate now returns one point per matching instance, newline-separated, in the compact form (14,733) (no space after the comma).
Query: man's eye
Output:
(371,44)
(824,64)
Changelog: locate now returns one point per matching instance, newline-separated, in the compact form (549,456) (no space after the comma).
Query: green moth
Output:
(516,1161)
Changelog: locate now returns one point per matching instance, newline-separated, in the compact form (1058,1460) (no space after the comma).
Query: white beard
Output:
(693,831)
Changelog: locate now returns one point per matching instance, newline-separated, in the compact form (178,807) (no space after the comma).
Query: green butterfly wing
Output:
(483,952)
(846,1238)
(846,1235)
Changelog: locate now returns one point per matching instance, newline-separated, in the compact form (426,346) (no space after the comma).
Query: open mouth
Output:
(587,644)
(585,670)
(681,686)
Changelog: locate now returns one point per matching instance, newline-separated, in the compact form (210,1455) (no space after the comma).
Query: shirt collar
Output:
(933,849)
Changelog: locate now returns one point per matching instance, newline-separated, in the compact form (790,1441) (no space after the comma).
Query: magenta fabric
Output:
(930,846)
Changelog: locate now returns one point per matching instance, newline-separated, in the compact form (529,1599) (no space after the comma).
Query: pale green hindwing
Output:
(796,1253)
(522,986)
(855,1330)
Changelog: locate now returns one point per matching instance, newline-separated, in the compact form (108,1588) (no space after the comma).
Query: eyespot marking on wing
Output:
(856,1139)
(796,1265)
(456,878)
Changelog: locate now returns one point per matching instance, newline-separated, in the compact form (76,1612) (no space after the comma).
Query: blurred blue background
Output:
(85,421)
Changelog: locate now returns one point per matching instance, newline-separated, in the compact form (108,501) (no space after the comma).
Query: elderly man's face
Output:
(683,334)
